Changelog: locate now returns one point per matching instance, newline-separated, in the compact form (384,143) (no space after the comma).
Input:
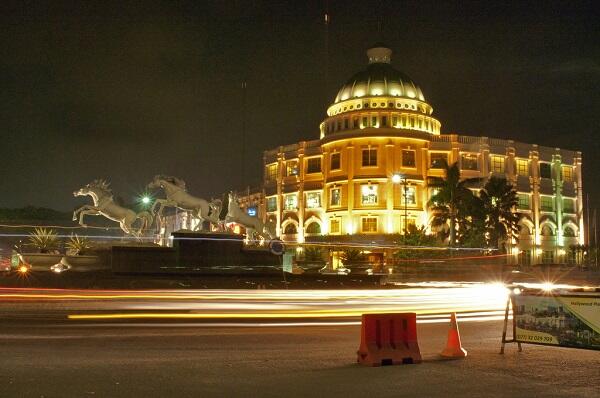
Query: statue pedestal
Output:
(197,253)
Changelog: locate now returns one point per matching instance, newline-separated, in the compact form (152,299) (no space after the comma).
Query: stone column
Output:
(557,186)
(577,177)
(534,181)
(350,187)
(389,189)
(279,179)
(302,174)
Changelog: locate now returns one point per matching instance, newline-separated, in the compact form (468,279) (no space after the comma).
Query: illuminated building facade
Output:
(381,125)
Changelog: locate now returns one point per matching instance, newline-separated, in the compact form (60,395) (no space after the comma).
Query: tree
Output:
(499,200)
(418,237)
(451,193)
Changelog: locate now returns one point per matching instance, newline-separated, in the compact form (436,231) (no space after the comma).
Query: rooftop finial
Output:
(379,53)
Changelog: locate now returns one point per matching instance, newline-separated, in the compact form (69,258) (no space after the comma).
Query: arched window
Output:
(569,232)
(547,231)
(524,231)
(313,228)
(290,229)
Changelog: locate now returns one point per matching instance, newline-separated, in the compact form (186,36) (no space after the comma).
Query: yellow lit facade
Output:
(381,125)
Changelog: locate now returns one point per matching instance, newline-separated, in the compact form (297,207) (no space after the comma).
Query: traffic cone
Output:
(453,348)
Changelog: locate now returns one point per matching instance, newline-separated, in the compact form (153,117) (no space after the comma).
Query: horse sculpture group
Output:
(177,197)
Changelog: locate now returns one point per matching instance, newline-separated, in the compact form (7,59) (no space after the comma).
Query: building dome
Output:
(379,79)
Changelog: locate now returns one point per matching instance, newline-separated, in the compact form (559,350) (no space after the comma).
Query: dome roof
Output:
(379,79)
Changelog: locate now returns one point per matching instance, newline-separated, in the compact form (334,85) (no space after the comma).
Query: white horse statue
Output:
(105,206)
(177,196)
(252,223)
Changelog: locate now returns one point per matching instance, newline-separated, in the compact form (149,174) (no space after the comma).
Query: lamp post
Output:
(398,178)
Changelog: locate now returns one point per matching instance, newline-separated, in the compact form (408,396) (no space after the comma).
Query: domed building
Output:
(367,173)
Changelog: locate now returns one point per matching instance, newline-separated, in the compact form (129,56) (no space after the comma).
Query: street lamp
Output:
(398,178)
(145,200)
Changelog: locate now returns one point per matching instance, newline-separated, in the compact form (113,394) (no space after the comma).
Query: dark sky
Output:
(124,90)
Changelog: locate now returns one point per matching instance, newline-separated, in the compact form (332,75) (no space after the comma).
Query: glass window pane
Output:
(313,165)
(313,200)
(335,161)
(335,197)
(291,202)
(469,162)
(437,160)
(545,170)
(369,194)
(408,158)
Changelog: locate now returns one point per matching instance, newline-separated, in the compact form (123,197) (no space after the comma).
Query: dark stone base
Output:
(196,253)
(108,280)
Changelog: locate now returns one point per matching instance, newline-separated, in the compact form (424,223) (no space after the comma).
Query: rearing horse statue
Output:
(178,197)
(105,206)
(252,224)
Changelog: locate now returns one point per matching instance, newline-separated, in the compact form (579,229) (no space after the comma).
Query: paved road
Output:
(134,360)
(45,354)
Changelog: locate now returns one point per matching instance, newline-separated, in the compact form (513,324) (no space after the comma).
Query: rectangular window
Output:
(291,168)
(436,160)
(313,165)
(525,257)
(335,197)
(384,121)
(411,224)
(346,124)
(497,164)
(409,195)
(374,121)
(369,157)
(568,205)
(547,257)
(334,226)
(369,224)
(547,203)
(272,203)
(394,121)
(355,123)
(468,161)
(335,161)
(408,158)
(522,167)
(523,201)
(291,202)
(313,200)
(567,173)
(545,170)
(368,194)
(272,172)
(365,122)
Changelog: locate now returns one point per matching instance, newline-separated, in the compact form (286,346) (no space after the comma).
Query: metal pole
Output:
(595,239)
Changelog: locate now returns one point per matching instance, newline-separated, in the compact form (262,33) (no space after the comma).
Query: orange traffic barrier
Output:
(453,347)
(388,339)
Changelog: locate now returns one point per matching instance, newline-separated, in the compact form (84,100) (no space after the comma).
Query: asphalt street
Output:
(169,360)
(43,353)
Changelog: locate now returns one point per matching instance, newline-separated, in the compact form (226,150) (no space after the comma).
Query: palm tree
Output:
(499,202)
(450,193)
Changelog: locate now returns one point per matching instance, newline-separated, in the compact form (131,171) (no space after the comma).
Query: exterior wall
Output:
(545,216)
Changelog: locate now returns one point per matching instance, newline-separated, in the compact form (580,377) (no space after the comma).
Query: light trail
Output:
(431,301)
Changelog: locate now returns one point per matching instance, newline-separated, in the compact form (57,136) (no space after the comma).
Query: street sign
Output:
(288,258)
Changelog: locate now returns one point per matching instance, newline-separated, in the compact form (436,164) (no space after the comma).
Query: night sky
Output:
(125,91)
